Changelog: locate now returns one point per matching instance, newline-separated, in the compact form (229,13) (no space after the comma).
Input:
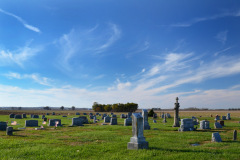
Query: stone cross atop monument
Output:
(176,115)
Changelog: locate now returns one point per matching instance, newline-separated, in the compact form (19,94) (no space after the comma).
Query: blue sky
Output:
(74,53)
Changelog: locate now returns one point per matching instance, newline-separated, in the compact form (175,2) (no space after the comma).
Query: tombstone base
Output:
(140,145)
(147,127)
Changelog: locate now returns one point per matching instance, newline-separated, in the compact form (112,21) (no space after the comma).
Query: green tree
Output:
(62,107)
(73,108)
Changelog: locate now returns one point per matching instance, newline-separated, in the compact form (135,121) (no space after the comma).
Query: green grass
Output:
(96,141)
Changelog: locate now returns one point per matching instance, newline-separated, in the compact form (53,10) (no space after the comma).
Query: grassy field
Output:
(96,141)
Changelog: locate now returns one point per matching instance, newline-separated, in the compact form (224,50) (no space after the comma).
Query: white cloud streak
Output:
(25,24)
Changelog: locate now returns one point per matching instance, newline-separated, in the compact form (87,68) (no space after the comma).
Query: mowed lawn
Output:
(96,141)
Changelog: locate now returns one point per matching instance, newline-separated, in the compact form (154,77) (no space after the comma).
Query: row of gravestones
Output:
(228,117)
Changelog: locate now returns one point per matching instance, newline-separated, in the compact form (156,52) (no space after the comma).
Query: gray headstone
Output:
(77,113)
(217,125)
(107,119)
(91,114)
(168,115)
(52,122)
(53,113)
(123,116)
(224,118)
(187,125)
(204,124)
(35,116)
(45,119)
(228,116)
(9,131)
(84,113)
(176,114)
(77,122)
(11,115)
(137,140)
(164,119)
(129,114)
(216,137)
(47,113)
(84,119)
(18,116)
(145,119)
(24,115)
(128,122)
(235,135)
(113,121)
(114,116)
(31,123)
(217,117)
(43,116)
(154,121)
(3,126)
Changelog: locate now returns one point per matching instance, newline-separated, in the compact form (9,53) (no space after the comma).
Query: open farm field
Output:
(96,141)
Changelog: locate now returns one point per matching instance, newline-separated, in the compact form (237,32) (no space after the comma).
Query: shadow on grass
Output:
(182,150)
(18,136)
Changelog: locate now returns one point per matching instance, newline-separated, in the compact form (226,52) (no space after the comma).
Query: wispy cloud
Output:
(25,24)
(18,56)
(222,51)
(202,19)
(35,77)
(222,36)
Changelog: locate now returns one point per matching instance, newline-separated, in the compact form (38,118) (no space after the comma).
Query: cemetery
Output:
(121,135)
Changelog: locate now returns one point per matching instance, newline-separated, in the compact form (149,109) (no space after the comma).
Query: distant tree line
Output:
(118,107)
(234,109)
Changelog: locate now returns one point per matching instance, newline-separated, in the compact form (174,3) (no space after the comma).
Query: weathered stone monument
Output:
(85,120)
(35,116)
(11,115)
(164,119)
(123,116)
(43,116)
(154,121)
(107,119)
(129,114)
(9,131)
(235,135)
(187,125)
(18,116)
(113,121)
(224,118)
(228,116)
(217,117)
(176,114)
(31,123)
(52,122)
(128,122)
(168,115)
(77,122)
(216,137)
(204,124)
(77,113)
(222,123)
(217,125)
(24,115)
(114,116)
(53,113)
(3,126)
(137,140)
(145,119)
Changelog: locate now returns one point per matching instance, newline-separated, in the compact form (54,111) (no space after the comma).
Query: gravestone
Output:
(94,119)
(103,116)
(137,140)
(228,116)
(53,113)
(47,113)
(164,119)
(187,125)
(9,131)
(77,113)
(176,115)
(84,113)
(128,122)
(18,116)
(97,113)
(45,119)
(114,116)
(111,113)
(64,116)
(222,123)
(129,114)
(31,123)
(113,121)
(217,125)
(3,126)
(107,119)
(216,137)
(162,116)
(145,119)
(43,116)
(11,115)
(123,116)
(84,119)
(24,115)
(168,115)
(235,135)
(217,117)
(154,115)
(91,114)
(77,122)
(204,124)
(52,122)
(35,116)
(154,121)
(224,118)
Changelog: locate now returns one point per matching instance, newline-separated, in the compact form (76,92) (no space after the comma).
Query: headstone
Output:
(216,137)
(164,119)
(217,117)
(154,115)
(47,113)
(35,116)
(235,135)
(91,114)
(53,113)
(43,116)
(103,116)
(217,125)
(107,119)
(204,124)
(145,119)
(222,123)
(94,119)
(84,113)
(24,115)
(128,122)
(129,114)
(9,131)
(52,122)
(224,118)
(97,113)
(113,121)
(154,121)
(122,116)
(84,119)
(187,125)
(31,123)
(176,115)
(111,113)
(64,116)
(3,126)
(228,116)
(18,116)
(11,115)
(114,116)
(45,119)
(137,140)
(77,122)
(168,115)
(77,113)
(162,116)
